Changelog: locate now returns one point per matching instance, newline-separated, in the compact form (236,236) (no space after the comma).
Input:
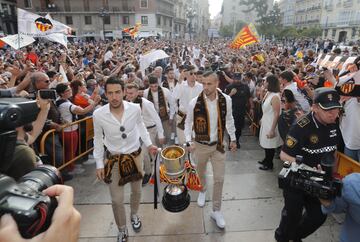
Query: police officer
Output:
(313,137)
(240,95)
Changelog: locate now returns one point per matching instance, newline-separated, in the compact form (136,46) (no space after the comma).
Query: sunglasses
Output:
(192,73)
(123,135)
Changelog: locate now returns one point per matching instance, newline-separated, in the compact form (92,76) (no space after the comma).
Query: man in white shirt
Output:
(163,102)
(152,123)
(118,126)
(208,115)
(185,92)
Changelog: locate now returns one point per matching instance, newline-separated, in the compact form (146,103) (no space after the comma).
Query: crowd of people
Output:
(202,94)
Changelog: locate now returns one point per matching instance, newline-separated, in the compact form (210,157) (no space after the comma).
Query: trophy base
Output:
(176,198)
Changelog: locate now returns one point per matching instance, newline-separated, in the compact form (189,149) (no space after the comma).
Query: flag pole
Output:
(18,28)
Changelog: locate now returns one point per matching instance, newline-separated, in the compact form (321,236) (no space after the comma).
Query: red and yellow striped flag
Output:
(133,30)
(247,35)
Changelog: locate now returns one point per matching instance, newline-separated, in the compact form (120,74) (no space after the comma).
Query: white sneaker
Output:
(219,218)
(176,141)
(122,235)
(201,199)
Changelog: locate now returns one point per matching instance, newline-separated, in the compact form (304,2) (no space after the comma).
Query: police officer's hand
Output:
(233,92)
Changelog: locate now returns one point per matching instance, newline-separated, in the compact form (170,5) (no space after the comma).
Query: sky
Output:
(215,7)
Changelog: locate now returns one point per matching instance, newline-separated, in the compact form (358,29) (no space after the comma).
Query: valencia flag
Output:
(133,30)
(247,35)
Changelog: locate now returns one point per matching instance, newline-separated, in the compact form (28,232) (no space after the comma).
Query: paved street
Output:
(251,205)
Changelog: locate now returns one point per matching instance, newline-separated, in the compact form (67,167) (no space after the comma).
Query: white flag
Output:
(16,42)
(57,37)
(38,26)
(147,59)
(63,74)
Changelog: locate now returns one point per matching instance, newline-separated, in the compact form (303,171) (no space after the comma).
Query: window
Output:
(158,20)
(125,19)
(353,32)
(67,6)
(144,20)
(170,22)
(326,33)
(143,3)
(106,19)
(333,33)
(68,20)
(27,4)
(88,20)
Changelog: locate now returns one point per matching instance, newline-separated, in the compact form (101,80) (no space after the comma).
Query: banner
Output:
(248,35)
(16,42)
(34,25)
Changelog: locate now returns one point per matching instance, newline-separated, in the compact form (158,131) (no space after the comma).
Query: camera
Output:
(316,183)
(48,94)
(31,209)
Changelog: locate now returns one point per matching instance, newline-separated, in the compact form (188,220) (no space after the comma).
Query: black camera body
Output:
(31,209)
(316,183)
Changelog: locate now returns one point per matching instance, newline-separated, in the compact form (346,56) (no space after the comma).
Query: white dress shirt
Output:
(107,132)
(213,118)
(151,117)
(168,100)
(185,93)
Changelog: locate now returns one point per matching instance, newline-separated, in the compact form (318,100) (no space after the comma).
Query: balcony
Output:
(165,11)
(329,7)
(313,8)
(56,9)
(348,3)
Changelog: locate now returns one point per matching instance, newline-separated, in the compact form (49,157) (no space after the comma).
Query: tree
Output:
(228,30)
(312,32)
(260,6)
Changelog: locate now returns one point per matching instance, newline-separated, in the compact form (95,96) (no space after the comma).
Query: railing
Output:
(346,165)
(86,123)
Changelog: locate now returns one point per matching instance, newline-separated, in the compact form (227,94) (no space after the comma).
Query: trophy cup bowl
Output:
(176,197)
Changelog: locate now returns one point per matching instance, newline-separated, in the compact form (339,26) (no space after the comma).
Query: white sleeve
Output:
(230,127)
(189,120)
(171,102)
(98,142)
(149,107)
(144,135)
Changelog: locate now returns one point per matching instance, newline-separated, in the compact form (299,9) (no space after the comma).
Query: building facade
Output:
(92,19)
(232,12)
(340,20)
(287,10)
(307,13)
(8,19)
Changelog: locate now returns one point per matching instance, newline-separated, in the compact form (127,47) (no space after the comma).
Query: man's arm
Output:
(40,120)
(149,106)
(189,120)
(144,134)
(230,127)
(98,142)
(171,103)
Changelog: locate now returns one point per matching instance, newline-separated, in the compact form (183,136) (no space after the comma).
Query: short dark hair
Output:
(114,80)
(61,88)
(287,75)
(273,83)
(153,79)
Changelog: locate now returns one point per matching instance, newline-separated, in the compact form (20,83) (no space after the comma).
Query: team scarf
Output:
(163,112)
(202,122)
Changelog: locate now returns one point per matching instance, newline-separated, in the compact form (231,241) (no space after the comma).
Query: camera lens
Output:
(41,178)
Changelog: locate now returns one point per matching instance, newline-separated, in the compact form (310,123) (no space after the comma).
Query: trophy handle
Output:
(156,177)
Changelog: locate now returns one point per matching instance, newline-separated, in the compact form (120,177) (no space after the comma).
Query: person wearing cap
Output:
(313,136)
(240,95)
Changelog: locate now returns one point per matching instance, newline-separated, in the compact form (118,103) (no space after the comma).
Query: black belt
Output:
(181,114)
(208,144)
(152,126)
(116,156)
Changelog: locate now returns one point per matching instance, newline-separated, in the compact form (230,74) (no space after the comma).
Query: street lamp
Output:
(103,14)
(51,6)
(190,14)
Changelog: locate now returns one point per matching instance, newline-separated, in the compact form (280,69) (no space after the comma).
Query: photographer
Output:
(24,158)
(349,202)
(314,136)
(65,218)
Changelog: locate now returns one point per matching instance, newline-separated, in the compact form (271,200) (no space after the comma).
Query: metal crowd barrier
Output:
(89,135)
